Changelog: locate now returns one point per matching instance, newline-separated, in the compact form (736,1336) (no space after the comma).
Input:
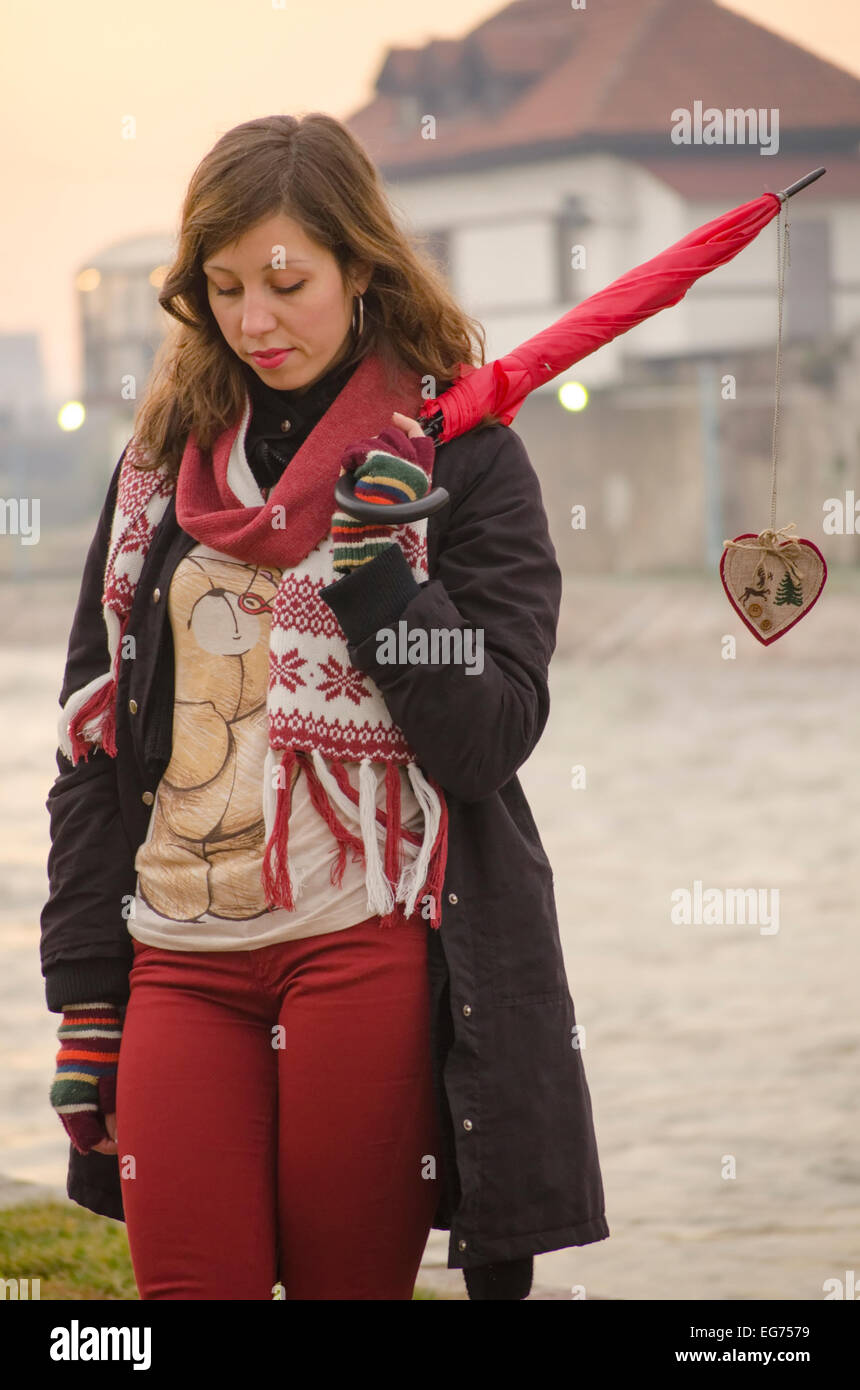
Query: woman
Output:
(301,927)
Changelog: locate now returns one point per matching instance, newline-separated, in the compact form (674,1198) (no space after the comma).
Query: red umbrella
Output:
(500,387)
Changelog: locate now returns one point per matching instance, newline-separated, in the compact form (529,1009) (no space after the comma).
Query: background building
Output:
(122,324)
(543,135)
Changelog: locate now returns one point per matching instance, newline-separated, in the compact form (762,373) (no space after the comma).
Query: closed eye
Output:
(279,289)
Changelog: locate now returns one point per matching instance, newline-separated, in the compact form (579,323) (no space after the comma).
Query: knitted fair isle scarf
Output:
(322,711)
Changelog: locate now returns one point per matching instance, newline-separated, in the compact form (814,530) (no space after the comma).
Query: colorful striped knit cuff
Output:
(90,1037)
(384,479)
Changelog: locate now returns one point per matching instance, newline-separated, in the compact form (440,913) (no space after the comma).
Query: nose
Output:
(257,317)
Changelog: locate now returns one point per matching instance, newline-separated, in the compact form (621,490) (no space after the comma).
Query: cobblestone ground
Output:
(705,1045)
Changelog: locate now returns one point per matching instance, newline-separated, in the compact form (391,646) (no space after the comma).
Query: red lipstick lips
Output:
(273,358)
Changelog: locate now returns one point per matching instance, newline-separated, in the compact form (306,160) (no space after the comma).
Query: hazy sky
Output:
(187,71)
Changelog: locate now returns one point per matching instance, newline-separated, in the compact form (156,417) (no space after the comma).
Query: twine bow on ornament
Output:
(768,541)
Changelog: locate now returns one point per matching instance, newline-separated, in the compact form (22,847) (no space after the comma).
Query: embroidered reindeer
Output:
(763,591)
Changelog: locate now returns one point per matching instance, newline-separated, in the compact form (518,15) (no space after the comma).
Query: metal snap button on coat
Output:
(132,704)
(461,1245)
(452,898)
(156,595)
(467,1009)
(467,1124)
(286,425)
(148,797)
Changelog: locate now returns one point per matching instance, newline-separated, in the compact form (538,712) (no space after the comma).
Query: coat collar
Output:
(299,411)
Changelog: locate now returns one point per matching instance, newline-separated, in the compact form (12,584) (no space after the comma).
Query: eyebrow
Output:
(288,260)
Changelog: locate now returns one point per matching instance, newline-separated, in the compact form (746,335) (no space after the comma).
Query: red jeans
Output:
(252,1155)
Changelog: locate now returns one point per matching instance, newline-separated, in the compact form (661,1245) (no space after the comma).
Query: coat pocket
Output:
(518,959)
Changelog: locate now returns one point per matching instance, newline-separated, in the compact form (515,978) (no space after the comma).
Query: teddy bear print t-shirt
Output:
(198,870)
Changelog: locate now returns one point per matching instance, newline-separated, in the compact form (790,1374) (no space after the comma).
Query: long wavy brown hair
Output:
(314,170)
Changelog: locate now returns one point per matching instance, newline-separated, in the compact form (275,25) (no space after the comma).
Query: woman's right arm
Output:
(86,950)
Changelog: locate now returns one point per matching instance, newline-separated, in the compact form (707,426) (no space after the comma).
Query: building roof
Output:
(700,179)
(541,78)
(134,254)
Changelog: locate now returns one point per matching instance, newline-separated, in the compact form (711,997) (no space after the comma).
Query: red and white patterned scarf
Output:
(322,711)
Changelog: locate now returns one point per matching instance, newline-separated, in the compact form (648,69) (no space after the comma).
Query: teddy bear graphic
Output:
(201,857)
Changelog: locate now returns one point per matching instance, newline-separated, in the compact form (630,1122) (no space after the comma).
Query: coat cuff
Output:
(373,596)
(83,982)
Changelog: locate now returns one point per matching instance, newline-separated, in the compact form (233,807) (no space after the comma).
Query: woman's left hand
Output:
(396,470)
(410,428)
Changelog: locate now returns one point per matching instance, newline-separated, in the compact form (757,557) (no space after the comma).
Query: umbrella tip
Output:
(801,183)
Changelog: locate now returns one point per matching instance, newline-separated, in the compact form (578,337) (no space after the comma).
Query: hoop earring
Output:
(360,329)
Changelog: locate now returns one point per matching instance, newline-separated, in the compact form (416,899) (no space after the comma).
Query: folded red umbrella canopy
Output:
(500,387)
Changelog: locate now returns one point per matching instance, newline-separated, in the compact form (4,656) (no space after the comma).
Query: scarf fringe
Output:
(425,876)
(275,874)
(90,718)
(438,859)
(94,722)
(392,891)
(393,854)
(345,838)
(433,843)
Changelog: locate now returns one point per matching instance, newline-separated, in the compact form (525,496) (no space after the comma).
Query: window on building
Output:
(571,224)
(438,245)
(808,304)
(408,113)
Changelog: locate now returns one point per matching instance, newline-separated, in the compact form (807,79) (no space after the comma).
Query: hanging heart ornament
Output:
(772,580)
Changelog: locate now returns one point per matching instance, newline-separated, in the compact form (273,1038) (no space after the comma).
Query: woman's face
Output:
(275,288)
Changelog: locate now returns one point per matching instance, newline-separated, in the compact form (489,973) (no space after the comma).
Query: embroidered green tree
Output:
(788,591)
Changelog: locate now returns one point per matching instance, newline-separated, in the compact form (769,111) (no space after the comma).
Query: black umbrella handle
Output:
(385,513)
(393,513)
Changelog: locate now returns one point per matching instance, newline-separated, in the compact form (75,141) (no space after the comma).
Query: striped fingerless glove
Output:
(389,468)
(84,1087)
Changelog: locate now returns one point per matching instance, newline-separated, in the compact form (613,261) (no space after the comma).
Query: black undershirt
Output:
(269,448)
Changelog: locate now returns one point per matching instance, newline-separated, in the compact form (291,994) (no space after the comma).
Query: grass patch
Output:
(75,1254)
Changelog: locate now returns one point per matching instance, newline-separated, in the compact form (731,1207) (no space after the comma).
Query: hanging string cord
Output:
(771,541)
(783,257)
